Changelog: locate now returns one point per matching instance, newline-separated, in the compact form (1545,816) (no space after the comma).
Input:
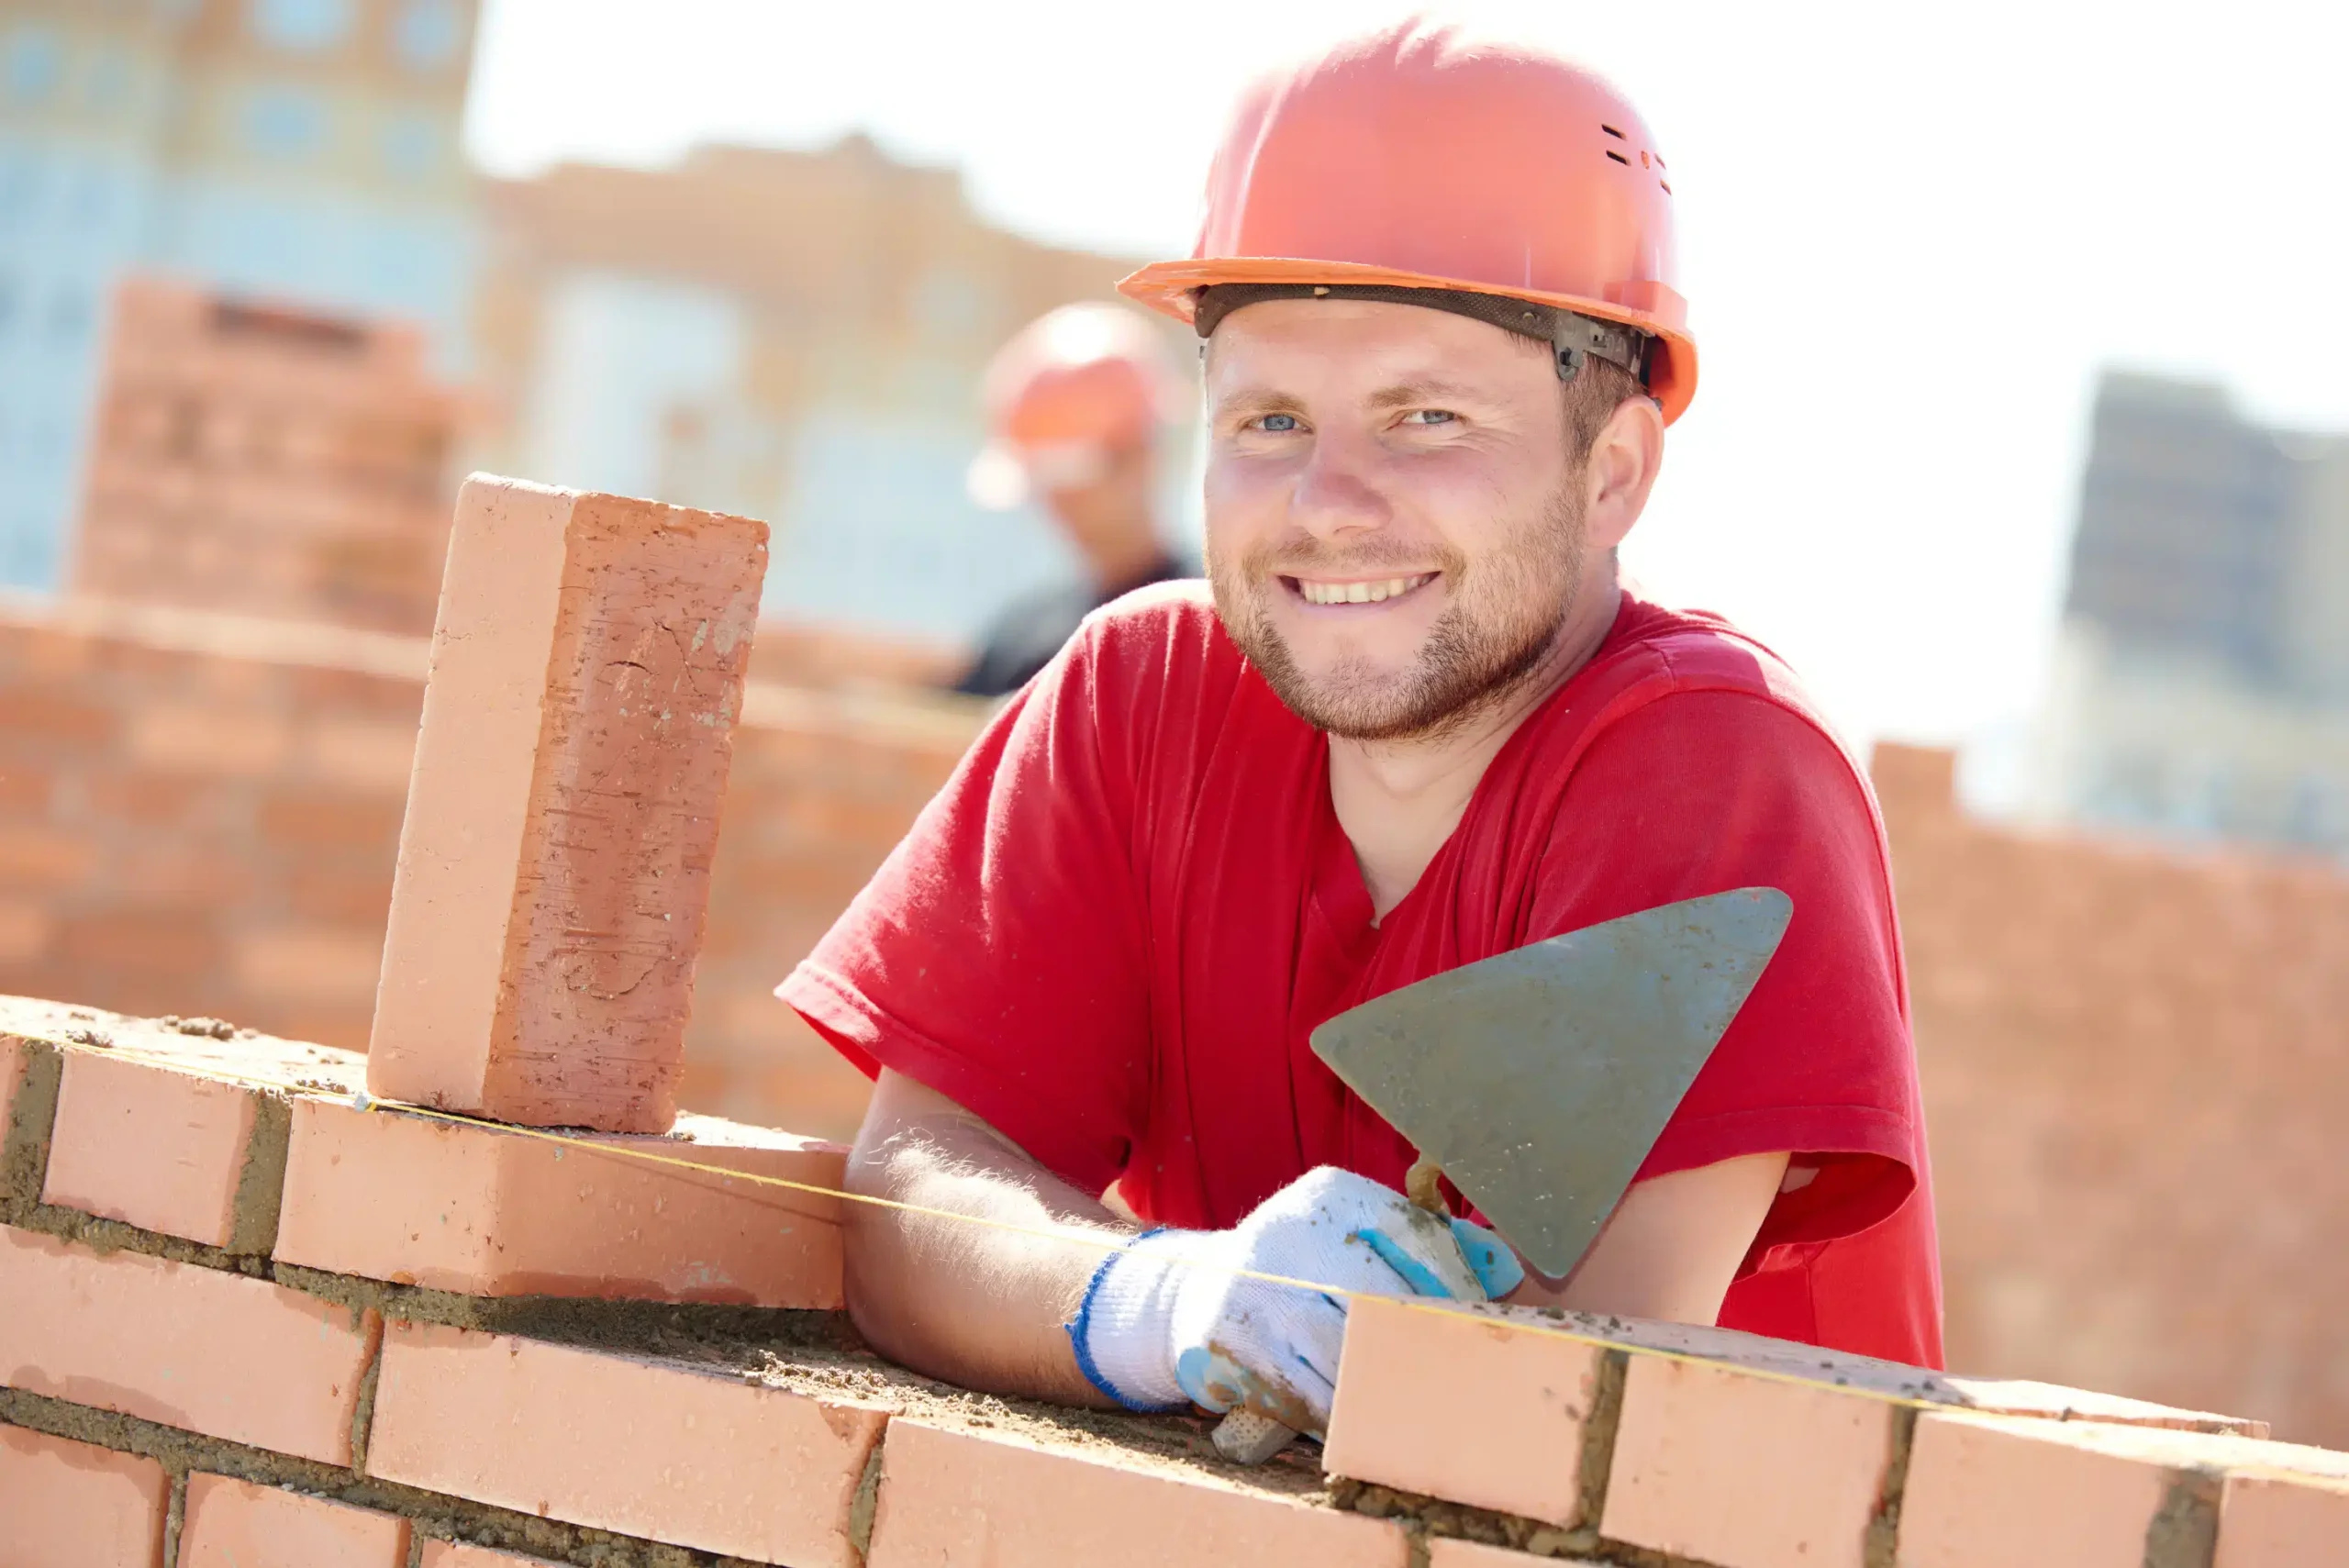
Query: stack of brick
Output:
(247,1321)
(2135,1072)
(268,462)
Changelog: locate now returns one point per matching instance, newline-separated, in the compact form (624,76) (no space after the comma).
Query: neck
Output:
(1400,800)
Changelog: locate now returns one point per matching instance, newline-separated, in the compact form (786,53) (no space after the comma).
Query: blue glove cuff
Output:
(1080,1333)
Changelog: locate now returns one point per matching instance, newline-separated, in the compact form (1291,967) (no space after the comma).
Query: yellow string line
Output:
(362,1101)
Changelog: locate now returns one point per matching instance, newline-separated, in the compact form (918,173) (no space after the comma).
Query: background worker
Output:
(1074,403)
(1419,721)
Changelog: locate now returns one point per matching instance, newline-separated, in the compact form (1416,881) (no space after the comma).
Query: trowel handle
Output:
(1424,1187)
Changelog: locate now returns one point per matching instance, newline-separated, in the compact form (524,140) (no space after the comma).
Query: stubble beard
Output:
(1504,621)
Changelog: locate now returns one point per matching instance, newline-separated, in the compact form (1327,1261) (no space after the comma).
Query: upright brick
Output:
(68,1505)
(955,1497)
(1718,1463)
(194,1348)
(230,1523)
(1471,1407)
(672,1451)
(487,1212)
(553,866)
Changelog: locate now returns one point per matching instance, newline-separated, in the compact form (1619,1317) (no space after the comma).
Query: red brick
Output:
(45,858)
(26,930)
(157,1148)
(958,1496)
(1717,1464)
(150,951)
(553,868)
(490,1212)
(460,1554)
(1443,1552)
(1471,1407)
(235,1524)
(31,715)
(675,1453)
(2267,1522)
(179,1344)
(1991,1494)
(308,965)
(68,1505)
(365,753)
(211,741)
(26,788)
(1985,1490)
(318,821)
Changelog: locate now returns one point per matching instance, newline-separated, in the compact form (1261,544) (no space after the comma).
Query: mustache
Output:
(1297,553)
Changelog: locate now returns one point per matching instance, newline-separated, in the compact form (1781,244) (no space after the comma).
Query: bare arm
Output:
(971,1304)
(1672,1248)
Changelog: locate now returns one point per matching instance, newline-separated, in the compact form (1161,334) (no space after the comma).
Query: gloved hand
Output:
(1165,1320)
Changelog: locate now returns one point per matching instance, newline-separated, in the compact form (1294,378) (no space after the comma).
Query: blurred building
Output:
(296,150)
(2201,683)
(795,335)
(266,461)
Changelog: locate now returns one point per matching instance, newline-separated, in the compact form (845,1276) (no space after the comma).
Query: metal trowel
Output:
(1539,1079)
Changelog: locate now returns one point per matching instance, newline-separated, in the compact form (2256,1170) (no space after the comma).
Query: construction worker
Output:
(1417,719)
(1074,403)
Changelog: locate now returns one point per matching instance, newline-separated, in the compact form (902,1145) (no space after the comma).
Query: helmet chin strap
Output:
(1572,337)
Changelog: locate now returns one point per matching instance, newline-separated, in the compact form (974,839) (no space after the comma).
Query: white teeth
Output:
(1359,593)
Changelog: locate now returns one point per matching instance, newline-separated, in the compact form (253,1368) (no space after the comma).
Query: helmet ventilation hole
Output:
(1613,133)
(1619,158)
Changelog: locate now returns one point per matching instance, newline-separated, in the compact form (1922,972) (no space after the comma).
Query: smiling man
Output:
(1419,721)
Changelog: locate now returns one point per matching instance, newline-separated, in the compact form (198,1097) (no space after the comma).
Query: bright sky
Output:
(1912,235)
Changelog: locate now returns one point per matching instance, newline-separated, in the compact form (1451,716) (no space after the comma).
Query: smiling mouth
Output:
(1369,592)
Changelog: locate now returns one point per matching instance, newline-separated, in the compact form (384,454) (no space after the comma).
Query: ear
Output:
(1622,471)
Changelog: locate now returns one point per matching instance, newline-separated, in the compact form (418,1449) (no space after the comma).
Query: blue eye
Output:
(1278,424)
(1429,416)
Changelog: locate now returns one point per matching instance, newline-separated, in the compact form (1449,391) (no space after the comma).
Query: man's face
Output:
(1393,528)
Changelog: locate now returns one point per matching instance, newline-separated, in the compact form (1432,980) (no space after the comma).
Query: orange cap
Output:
(1076,387)
(1422,156)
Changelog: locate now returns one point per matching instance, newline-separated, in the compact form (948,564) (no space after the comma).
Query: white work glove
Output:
(1167,1322)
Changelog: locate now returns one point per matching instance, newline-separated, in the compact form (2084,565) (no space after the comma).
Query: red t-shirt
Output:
(1112,931)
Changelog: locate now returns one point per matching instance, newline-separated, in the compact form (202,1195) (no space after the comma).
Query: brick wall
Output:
(2136,1069)
(268,462)
(695,1396)
(199,814)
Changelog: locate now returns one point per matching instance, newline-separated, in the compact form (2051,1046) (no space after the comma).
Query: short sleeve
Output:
(996,956)
(1697,792)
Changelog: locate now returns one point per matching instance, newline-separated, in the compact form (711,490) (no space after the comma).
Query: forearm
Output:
(982,1305)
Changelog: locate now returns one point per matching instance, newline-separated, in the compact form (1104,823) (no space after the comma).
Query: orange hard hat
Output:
(1431,165)
(1075,387)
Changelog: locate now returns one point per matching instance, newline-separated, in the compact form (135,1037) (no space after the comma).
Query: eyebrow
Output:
(1420,391)
(1254,403)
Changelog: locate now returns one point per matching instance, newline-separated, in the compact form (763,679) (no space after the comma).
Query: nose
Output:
(1334,498)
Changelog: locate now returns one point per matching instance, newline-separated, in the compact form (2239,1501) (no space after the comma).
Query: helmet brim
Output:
(1168,287)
